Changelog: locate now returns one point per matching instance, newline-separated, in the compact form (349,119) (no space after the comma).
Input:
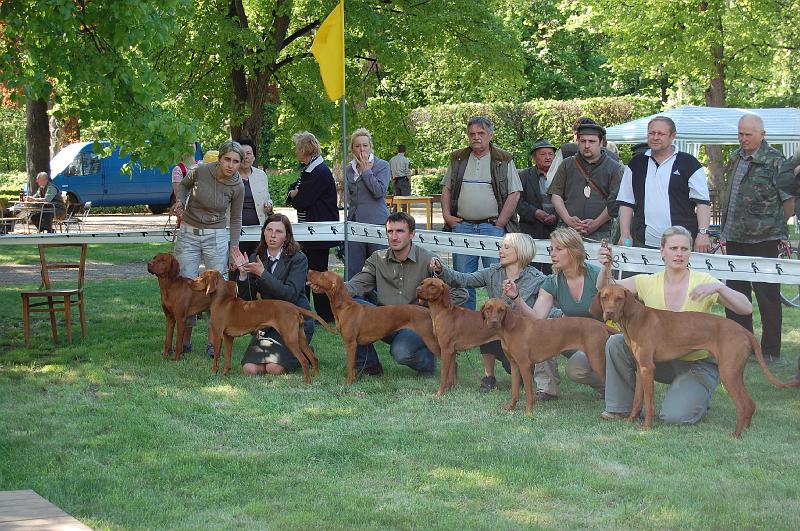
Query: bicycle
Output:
(790,295)
(717,243)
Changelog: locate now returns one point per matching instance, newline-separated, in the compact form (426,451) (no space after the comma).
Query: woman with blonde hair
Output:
(367,179)
(313,195)
(516,254)
(692,378)
(570,288)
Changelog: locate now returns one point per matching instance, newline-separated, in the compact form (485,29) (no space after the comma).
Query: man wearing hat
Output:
(584,188)
(663,187)
(570,149)
(537,215)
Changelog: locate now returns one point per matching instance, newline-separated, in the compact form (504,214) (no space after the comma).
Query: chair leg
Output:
(26,320)
(81,309)
(53,326)
(68,317)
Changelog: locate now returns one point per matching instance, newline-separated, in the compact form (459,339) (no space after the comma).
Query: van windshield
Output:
(64,157)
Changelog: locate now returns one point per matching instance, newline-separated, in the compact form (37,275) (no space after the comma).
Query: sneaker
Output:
(210,350)
(544,397)
(487,384)
(373,370)
(187,348)
(613,415)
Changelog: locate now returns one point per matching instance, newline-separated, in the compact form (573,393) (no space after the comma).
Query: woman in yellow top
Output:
(692,378)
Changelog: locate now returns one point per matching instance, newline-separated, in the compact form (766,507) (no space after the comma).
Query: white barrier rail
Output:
(632,259)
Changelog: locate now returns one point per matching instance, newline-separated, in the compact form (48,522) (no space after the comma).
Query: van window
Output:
(88,163)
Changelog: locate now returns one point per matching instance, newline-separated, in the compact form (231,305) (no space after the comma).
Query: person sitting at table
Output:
(47,193)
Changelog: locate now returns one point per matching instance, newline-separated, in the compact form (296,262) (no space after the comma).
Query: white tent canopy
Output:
(714,125)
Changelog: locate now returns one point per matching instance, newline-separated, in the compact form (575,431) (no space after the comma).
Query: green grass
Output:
(122,439)
(106,253)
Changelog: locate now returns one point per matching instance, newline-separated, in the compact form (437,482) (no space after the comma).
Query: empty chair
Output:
(51,300)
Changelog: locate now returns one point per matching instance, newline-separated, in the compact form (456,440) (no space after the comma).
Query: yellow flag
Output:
(328,49)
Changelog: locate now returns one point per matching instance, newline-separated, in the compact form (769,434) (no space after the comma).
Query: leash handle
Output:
(609,277)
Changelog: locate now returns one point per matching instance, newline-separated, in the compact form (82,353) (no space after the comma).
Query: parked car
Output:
(86,176)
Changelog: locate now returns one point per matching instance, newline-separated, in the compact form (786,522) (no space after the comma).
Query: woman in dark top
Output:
(313,195)
(277,270)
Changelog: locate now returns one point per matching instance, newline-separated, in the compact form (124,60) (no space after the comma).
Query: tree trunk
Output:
(715,97)
(37,140)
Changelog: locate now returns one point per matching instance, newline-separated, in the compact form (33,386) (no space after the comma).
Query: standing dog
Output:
(457,329)
(360,324)
(530,341)
(232,317)
(660,335)
(178,300)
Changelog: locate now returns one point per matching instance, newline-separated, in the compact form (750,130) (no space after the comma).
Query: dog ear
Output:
(509,319)
(596,309)
(211,283)
(174,268)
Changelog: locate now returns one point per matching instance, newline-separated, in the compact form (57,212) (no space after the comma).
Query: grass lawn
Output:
(122,439)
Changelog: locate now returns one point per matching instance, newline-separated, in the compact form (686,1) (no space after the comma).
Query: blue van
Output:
(86,176)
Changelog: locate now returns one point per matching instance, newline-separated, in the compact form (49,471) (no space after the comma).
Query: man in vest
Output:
(476,175)
(663,187)
(584,188)
(755,208)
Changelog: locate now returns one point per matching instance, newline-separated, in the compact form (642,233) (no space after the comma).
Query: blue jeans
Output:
(467,263)
(405,346)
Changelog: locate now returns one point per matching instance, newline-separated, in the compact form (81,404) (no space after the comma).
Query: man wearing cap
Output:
(663,187)
(537,215)
(476,175)
(570,149)
(584,188)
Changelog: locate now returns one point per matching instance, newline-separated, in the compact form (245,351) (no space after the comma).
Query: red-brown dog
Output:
(360,324)
(232,317)
(178,300)
(530,341)
(660,335)
(457,329)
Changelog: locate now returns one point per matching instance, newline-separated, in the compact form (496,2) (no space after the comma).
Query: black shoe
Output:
(541,396)
(487,384)
(210,350)
(373,370)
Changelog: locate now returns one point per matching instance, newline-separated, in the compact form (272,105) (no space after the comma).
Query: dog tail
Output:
(317,318)
(754,344)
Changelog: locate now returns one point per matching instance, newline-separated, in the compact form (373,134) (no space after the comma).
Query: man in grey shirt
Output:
(394,275)
(401,175)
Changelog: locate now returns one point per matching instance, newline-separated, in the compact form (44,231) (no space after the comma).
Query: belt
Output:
(197,231)
(479,221)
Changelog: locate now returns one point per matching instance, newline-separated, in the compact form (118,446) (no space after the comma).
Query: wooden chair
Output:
(57,300)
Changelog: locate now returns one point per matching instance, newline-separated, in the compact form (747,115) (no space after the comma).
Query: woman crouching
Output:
(276,270)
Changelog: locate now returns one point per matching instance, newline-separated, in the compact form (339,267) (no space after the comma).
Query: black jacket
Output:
(317,198)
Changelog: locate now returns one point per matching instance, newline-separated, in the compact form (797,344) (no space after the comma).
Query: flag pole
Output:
(343,101)
(346,193)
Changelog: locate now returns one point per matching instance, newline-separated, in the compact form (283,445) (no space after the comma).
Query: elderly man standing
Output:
(661,188)
(755,207)
(584,188)
(537,215)
(474,175)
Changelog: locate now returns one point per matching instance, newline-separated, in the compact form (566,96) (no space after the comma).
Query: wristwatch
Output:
(703,231)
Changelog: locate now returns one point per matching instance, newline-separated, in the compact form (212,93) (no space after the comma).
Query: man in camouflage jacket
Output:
(756,205)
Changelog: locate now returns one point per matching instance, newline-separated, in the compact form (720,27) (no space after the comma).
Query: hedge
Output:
(440,129)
